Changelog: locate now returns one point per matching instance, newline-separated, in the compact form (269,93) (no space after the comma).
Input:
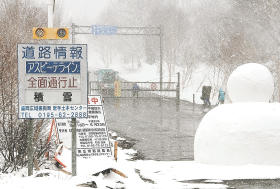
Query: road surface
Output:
(161,132)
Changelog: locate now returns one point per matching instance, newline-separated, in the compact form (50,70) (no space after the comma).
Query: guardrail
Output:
(126,89)
(145,89)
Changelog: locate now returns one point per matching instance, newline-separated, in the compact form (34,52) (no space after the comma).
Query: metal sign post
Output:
(74,147)
(30,146)
(160,56)
(74,127)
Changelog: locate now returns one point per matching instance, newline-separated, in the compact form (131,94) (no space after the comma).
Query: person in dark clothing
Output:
(206,91)
(135,89)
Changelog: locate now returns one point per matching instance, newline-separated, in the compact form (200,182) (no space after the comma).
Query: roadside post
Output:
(52,83)
(117,88)
(178,92)
(30,149)
(116,151)
(160,55)
(74,126)
(74,146)
(193,101)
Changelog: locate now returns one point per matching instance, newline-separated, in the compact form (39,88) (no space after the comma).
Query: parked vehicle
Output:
(105,80)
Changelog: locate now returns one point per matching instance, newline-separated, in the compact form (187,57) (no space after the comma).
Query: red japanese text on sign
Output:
(53,82)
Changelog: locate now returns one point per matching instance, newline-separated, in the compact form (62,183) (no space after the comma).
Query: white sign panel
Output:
(93,139)
(64,131)
(52,80)
(92,133)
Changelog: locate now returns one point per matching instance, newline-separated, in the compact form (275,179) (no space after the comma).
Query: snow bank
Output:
(239,133)
(250,83)
(163,172)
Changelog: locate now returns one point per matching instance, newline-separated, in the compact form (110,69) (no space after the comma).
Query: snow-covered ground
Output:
(140,174)
(143,173)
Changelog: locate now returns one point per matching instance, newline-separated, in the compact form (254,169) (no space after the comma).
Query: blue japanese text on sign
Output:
(103,30)
(56,67)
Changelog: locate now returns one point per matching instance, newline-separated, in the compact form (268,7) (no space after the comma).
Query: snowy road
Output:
(161,132)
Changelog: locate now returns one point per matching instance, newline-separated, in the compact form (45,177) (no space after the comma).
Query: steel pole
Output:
(73,33)
(50,13)
(74,147)
(160,56)
(30,146)
(178,92)
(74,127)
(193,101)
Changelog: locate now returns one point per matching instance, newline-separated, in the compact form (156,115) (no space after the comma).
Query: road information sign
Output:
(92,133)
(52,80)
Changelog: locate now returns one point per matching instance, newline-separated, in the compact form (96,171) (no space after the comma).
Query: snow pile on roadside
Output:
(141,174)
(238,134)
(190,170)
(56,179)
(250,83)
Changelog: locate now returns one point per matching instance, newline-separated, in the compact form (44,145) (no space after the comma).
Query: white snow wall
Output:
(240,133)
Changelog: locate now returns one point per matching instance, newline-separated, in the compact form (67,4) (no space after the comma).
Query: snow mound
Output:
(250,83)
(238,134)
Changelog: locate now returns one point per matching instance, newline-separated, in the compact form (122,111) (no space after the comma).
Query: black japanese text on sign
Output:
(93,136)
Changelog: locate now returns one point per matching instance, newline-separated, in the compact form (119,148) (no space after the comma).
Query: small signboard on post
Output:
(93,139)
(52,80)
(92,133)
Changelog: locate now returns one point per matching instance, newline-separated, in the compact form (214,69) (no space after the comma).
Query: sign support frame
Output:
(74,128)
(136,31)
(74,146)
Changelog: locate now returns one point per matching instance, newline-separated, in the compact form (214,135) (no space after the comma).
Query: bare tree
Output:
(17,20)
(222,34)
